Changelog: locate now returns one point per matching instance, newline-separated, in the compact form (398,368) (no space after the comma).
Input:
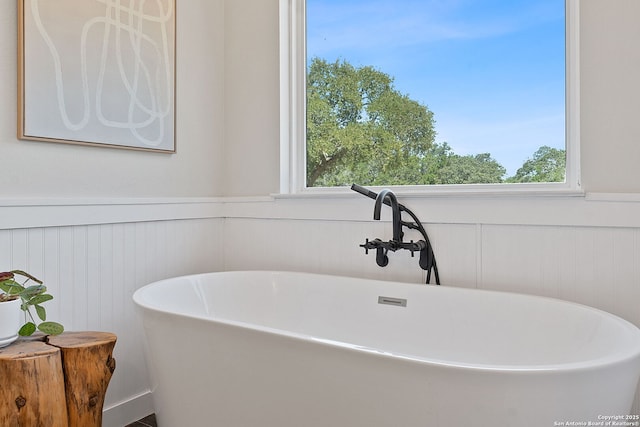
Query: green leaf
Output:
(32,291)
(27,329)
(11,287)
(51,328)
(42,313)
(39,299)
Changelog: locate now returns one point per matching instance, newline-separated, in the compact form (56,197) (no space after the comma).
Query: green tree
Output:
(361,129)
(546,165)
(471,169)
(443,166)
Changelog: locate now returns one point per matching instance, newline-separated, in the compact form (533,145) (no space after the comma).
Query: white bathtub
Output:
(276,349)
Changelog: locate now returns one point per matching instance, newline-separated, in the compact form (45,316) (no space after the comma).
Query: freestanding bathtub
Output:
(279,349)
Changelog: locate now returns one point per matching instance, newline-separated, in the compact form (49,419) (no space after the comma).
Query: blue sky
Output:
(492,71)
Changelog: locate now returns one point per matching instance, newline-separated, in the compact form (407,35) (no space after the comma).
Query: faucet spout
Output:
(395,208)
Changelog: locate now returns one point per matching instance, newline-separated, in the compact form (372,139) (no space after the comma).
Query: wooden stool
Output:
(53,381)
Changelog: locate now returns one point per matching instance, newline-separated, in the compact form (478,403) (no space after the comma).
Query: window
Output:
(408,92)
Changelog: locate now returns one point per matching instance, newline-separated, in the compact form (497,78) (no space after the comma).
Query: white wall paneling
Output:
(311,245)
(94,268)
(595,265)
(93,271)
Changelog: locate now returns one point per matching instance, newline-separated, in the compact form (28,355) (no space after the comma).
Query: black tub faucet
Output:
(427,258)
(395,208)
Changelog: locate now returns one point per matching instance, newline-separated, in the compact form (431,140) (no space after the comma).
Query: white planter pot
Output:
(11,318)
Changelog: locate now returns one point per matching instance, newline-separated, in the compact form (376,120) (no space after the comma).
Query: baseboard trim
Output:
(128,411)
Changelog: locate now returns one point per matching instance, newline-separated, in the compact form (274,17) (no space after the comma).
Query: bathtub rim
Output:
(630,352)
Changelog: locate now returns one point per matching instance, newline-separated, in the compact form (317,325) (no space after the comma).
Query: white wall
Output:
(251,97)
(88,229)
(610,95)
(36,169)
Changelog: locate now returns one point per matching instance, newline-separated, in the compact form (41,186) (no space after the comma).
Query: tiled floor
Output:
(148,421)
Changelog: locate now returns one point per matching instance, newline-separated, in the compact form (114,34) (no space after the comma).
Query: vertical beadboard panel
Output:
(119,303)
(332,247)
(606,271)
(5,250)
(129,352)
(595,266)
(19,249)
(527,259)
(456,249)
(593,259)
(66,273)
(626,280)
(94,284)
(51,271)
(93,271)
(35,252)
(82,272)
(105,291)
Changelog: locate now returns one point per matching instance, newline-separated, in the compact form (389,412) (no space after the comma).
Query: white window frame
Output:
(293,116)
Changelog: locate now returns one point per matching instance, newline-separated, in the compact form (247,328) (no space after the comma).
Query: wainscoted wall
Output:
(93,270)
(596,265)
(332,247)
(94,256)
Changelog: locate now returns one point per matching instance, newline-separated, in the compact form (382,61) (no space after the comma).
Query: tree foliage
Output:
(547,165)
(361,129)
(446,167)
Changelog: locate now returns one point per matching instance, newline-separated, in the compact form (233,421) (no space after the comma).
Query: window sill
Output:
(450,191)
(536,206)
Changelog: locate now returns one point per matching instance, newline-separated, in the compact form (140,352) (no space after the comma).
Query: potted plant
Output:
(17,297)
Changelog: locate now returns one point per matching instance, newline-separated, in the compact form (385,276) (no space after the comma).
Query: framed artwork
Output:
(98,72)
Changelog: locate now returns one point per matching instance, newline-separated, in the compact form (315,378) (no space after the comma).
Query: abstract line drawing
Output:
(100,72)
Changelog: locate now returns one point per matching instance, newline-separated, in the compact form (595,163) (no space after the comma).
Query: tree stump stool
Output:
(51,381)
(32,385)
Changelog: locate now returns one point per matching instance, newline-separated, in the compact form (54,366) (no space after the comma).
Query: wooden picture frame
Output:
(97,72)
